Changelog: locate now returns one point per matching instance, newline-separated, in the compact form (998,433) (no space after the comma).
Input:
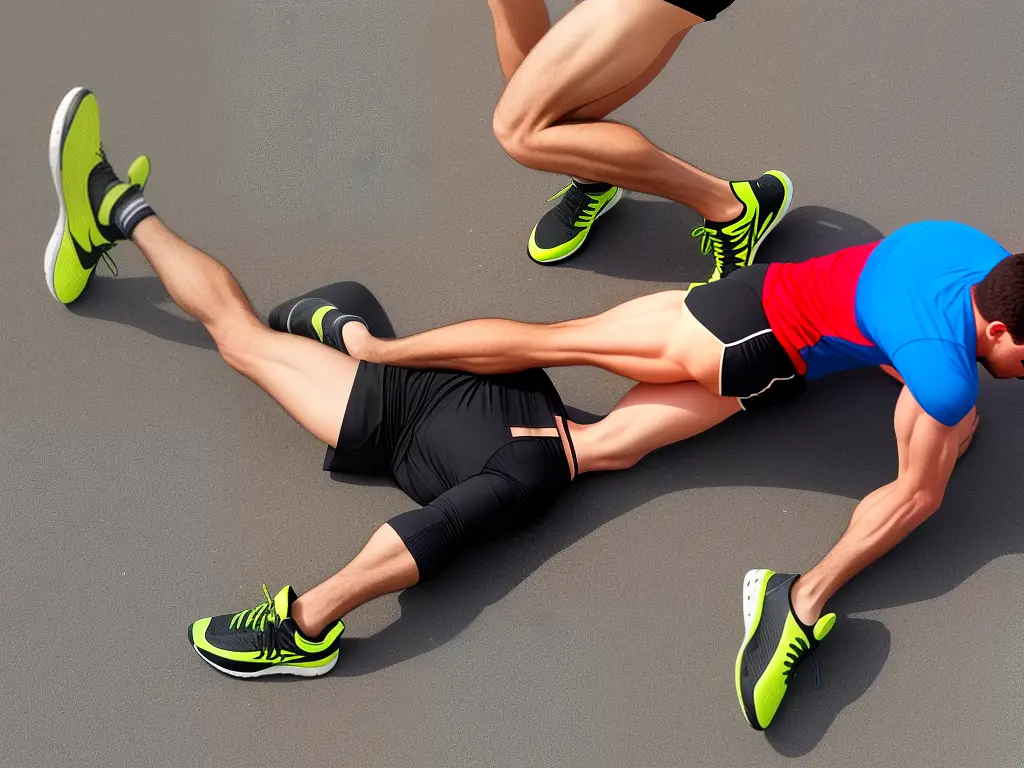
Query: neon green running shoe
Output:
(564,229)
(734,244)
(776,643)
(87,192)
(265,641)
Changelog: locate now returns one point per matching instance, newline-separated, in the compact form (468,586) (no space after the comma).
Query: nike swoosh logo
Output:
(87,258)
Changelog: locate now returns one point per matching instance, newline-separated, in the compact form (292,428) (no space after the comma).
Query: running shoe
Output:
(313,318)
(564,229)
(87,192)
(734,244)
(776,643)
(265,641)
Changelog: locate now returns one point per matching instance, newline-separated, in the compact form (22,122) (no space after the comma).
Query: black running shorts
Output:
(706,9)
(445,438)
(755,367)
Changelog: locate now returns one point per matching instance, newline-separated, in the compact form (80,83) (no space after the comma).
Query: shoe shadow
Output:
(650,240)
(848,664)
(143,303)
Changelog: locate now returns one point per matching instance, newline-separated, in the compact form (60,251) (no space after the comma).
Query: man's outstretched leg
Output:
(653,339)
(309,380)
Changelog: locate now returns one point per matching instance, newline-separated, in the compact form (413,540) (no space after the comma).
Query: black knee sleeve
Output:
(432,534)
(519,483)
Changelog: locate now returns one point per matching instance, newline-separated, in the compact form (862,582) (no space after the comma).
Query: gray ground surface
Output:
(144,484)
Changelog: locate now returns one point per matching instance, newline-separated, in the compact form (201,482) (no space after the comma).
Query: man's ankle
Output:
(304,620)
(805,602)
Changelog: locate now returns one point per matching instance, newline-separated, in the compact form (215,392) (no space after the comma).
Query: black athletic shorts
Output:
(706,9)
(755,367)
(444,437)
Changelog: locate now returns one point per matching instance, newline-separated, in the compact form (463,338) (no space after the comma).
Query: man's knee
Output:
(513,132)
(238,341)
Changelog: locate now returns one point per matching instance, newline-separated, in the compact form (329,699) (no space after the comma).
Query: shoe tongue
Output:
(283,602)
(101,180)
(823,626)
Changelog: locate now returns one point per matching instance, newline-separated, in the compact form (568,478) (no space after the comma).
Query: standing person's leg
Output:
(518,26)
(597,49)
(600,55)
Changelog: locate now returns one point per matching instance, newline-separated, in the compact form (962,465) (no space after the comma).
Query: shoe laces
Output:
(104,253)
(576,208)
(264,621)
(799,649)
(724,241)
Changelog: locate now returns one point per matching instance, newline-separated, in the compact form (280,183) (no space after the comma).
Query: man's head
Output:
(999,299)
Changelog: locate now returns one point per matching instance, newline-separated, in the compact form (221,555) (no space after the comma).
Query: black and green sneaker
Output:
(775,644)
(94,205)
(313,318)
(564,229)
(734,244)
(265,641)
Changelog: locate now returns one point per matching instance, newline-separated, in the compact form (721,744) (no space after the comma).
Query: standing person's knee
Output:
(513,132)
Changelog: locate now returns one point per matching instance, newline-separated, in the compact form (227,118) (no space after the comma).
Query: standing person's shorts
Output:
(706,9)
(445,437)
(755,367)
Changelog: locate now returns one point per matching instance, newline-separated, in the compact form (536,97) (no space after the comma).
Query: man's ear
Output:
(995,329)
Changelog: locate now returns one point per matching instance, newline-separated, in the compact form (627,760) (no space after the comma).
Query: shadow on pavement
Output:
(650,240)
(143,303)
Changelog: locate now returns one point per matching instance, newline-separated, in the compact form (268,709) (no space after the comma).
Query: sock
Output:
(331,323)
(743,211)
(596,187)
(129,210)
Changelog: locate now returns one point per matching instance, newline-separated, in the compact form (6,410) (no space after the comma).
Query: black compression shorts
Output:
(706,9)
(445,438)
(755,367)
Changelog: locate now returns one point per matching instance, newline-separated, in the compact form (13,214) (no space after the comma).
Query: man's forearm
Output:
(880,522)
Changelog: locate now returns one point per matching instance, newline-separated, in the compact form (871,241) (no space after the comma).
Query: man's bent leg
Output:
(648,417)
(384,565)
(311,381)
(601,47)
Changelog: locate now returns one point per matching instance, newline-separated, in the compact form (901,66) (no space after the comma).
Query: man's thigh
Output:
(598,48)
